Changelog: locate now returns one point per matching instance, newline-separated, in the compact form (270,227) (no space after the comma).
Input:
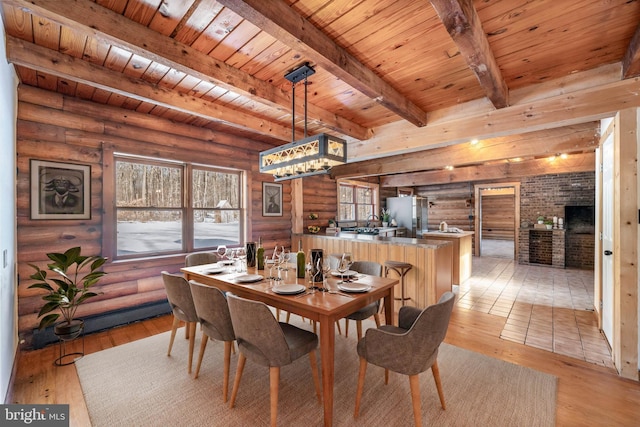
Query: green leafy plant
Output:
(67,291)
(385,215)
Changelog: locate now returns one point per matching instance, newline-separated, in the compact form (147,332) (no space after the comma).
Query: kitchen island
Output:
(462,252)
(430,276)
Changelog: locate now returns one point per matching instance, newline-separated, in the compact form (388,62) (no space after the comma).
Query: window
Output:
(170,207)
(357,201)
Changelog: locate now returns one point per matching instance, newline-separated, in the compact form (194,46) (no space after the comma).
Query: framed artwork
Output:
(60,190)
(271,199)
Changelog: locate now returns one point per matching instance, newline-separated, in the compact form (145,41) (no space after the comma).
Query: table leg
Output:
(327,350)
(388,308)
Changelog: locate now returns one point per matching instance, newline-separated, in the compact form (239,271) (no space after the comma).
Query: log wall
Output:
(54,127)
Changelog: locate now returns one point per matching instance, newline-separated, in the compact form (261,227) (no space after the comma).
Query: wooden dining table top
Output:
(323,307)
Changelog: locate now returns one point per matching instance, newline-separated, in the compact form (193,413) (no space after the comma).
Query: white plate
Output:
(288,289)
(213,270)
(354,287)
(226,262)
(347,273)
(248,278)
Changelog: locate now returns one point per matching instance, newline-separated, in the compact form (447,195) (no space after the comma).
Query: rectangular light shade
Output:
(309,156)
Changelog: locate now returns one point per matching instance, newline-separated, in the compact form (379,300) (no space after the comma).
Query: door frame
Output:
(477,219)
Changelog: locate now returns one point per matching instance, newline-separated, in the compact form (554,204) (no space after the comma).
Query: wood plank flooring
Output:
(588,394)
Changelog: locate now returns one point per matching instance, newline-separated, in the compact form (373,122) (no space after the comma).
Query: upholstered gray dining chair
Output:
(409,348)
(373,269)
(264,340)
(181,303)
(200,258)
(215,320)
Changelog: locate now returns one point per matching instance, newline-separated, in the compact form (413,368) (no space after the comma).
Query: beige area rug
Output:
(136,384)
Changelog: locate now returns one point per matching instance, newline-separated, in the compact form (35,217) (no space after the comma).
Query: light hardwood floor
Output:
(588,394)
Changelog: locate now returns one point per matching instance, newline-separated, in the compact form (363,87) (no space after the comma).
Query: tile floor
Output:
(544,307)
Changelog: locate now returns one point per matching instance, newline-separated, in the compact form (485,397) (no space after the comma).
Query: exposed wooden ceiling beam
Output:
(578,162)
(49,61)
(542,143)
(90,18)
(596,96)
(631,60)
(463,25)
(278,19)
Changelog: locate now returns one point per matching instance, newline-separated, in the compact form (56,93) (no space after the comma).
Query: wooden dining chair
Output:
(409,348)
(215,320)
(200,258)
(373,269)
(181,303)
(264,340)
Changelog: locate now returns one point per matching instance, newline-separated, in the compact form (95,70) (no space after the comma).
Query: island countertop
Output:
(431,260)
(457,235)
(426,243)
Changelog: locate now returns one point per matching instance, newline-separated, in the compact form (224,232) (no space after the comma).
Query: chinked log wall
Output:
(57,128)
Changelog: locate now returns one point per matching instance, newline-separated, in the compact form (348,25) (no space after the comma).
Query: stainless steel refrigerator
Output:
(409,212)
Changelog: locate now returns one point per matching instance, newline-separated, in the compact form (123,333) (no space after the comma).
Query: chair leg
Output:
(363,371)
(288,317)
(359,329)
(274,382)
(203,346)
(278,314)
(314,374)
(174,329)
(227,363)
(414,382)
(346,328)
(192,342)
(386,376)
(338,325)
(186,330)
(436,376)
(236,381)
(376,317)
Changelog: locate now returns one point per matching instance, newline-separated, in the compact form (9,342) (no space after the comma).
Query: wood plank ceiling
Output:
(397,78)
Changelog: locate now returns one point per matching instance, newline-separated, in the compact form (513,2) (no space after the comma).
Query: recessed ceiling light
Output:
(474,141)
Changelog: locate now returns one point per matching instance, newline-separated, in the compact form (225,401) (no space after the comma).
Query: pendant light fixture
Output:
(311,155)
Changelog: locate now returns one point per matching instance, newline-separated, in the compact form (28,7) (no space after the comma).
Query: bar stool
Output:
(401,268)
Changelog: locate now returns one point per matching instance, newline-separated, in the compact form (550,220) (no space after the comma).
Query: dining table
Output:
(324,307)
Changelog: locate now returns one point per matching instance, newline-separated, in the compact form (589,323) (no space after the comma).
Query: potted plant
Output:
(548,223)
(540,219)
(67,290)
(385,217)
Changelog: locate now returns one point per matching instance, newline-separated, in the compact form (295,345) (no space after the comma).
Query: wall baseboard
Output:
(105,321)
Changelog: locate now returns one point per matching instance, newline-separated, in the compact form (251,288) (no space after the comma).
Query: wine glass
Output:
(277,259)
(221,251)
(241,254)
(343,267)
(326,269)
(309,270)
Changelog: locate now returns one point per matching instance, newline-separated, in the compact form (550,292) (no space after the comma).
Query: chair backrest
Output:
(200,258)
(258,333)
(426,334)
(179,296)
(213,311)
(367,267)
